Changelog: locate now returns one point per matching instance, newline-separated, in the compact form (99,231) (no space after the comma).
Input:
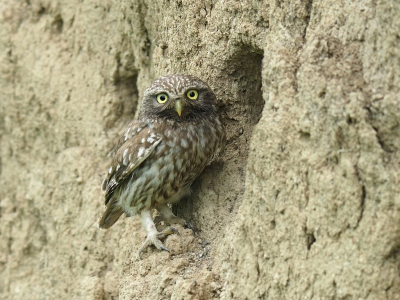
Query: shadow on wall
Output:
(128,95)
(124,86)
(247,102)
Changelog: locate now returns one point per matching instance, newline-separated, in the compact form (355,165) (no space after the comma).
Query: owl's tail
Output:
(110,215)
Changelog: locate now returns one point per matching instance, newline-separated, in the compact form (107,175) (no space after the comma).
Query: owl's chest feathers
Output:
(185,149)
(183,153)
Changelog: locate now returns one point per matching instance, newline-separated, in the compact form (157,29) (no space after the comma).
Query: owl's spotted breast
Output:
(181,155)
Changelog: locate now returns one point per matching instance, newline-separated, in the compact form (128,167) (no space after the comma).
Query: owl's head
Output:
(179,98)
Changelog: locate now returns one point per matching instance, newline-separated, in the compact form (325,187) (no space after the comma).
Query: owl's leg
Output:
(153,236)
(168,216)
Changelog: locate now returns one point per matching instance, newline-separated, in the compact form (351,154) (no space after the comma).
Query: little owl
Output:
(178,132)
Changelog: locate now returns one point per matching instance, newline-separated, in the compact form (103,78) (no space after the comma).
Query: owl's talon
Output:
(167,231)
(164,249)
(188,225)
(191,227)
(154,239)
(168,216)
(174,230)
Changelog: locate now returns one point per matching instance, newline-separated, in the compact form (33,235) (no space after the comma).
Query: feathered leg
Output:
(153,236)
(168,216)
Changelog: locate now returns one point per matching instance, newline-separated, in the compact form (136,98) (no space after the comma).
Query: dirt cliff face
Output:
(305,201)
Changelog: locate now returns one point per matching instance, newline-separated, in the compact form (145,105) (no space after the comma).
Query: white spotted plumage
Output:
(161,153)
(141,151)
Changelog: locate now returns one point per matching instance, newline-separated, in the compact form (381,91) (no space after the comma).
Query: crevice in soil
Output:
(381,141)
(310,240)
(127,95)
(363,196)
(309,8)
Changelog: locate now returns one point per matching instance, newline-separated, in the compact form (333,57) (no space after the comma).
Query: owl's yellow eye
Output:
(192,94)
(162,98)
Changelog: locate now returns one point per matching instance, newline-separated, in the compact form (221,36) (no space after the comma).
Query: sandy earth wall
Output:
(305,201)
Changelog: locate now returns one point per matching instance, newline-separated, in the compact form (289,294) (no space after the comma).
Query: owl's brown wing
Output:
(131,130)
(137,146)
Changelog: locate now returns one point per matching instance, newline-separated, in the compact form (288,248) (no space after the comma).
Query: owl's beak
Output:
(178,107)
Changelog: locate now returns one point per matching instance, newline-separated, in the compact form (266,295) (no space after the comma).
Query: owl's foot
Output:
(153,236)
(154,239)
(168,216)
